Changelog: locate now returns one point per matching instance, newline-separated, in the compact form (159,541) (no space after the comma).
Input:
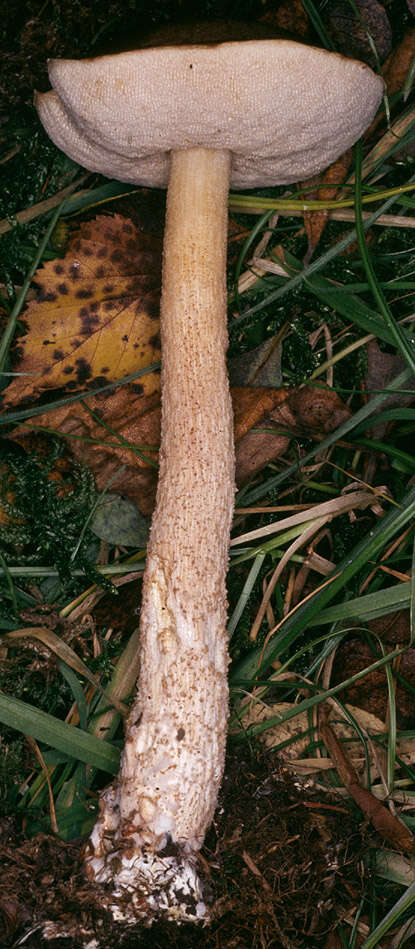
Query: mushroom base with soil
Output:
(153,820)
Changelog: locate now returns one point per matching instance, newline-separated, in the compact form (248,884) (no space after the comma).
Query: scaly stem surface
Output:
(154,818)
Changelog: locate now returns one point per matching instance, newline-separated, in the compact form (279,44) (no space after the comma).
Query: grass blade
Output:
(391,918)
(296,622)
(402,342)
(45,728)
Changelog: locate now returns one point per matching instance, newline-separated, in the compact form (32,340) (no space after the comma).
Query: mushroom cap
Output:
(285,110)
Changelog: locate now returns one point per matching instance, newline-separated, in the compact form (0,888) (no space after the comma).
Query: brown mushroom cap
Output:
(283,109)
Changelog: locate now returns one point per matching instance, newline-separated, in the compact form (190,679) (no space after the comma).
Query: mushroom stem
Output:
(154,819)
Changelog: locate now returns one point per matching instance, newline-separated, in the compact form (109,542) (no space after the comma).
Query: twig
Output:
(392,829)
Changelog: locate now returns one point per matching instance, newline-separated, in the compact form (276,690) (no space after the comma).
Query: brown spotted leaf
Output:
(95,319)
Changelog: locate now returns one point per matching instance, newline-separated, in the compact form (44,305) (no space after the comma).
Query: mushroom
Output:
(193,118)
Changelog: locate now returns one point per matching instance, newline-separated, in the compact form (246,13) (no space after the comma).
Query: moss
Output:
(45,499)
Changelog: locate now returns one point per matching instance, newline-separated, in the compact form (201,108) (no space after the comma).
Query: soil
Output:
(283,864)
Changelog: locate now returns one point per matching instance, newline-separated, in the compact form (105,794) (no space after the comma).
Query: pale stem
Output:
(164,798)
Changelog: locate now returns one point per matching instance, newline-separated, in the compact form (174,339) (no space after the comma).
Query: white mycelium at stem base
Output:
(156,815)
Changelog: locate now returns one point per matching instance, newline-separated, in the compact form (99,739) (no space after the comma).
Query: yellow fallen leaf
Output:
(96,316)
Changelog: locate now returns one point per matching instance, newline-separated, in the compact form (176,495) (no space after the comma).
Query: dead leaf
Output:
(370,693)
(129,436)
(260,366)
(389,826)
(351,31)
(295,734)
(95,319)
(396,67)
(302,410)
(386,824)
(255,870)
(290,17)
(382,367)
(117,521)
(333,941)
(317,408)
(130,433)
(346,754)
(250,405)
(328,183)
(393,629)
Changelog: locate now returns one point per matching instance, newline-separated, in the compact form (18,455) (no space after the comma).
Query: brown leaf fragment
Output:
(258,367)
(326,186)
(333,941)
(290,17)
(129,436)
(317,408)
(253,409)
(250,863)
(344,767)
(396,67)
(95,318)
(386,824)
(298,411)
(389,826)
(382,367)
(9,911)
(251,405)
(394,629)
(256,450)
(371,692)
(354,33)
